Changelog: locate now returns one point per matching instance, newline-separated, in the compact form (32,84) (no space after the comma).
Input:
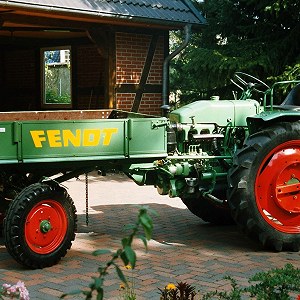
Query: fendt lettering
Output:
(56,138)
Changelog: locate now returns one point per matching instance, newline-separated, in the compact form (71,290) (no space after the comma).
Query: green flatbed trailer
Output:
(40,219)
(68,143)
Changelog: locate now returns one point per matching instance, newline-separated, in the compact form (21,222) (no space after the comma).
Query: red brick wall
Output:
(131,53)
(150,103)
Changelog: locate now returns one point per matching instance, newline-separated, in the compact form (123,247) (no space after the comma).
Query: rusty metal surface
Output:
(55,115)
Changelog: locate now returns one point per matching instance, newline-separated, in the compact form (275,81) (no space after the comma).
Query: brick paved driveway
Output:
(183,247)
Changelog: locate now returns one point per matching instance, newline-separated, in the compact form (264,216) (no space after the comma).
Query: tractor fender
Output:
(266,119)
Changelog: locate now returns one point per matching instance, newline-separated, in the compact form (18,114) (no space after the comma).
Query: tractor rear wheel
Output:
(264,187)
(4,204)
(209,210)
(40,225)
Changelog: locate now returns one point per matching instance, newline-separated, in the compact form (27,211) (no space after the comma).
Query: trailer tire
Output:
(264,187)
(40,225)
(209,211)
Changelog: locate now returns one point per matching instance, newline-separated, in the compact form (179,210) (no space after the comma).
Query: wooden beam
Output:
(133,88)
(39,42)
(50,21)
(145,73)
(110,67)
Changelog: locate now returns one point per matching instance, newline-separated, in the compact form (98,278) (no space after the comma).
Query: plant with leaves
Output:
(181,291)
(125,253)
(275,284)
(259,37)
(234,294)
(128,290)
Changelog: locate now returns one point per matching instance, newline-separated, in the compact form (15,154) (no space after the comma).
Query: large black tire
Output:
(264,187)
(4,204)
(208,210)
(40,225)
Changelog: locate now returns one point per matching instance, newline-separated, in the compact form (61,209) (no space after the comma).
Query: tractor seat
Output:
(292,100)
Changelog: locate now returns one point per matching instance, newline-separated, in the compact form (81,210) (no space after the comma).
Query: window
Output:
(56,77)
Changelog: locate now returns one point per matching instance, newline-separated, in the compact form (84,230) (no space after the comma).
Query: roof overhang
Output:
(61,18)
(99,11)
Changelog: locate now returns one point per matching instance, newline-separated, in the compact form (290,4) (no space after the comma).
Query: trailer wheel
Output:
(40,225)
(208,210)
(264,187)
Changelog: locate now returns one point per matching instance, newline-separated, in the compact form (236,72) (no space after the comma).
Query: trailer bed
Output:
(79,136)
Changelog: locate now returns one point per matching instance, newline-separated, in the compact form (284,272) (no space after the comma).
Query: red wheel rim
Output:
(277,187)
(46,226)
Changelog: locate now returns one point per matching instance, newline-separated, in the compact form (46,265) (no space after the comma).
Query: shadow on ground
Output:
(171,226)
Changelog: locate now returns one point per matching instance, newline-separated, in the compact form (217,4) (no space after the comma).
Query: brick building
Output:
(113,51)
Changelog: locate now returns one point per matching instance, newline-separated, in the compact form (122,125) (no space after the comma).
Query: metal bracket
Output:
(159,123)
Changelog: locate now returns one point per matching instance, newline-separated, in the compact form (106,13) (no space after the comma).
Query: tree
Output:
(260,37)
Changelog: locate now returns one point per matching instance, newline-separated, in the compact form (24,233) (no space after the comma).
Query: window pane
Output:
(57,76)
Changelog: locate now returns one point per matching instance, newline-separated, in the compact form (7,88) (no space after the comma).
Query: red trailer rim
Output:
(46,226)
(277,187)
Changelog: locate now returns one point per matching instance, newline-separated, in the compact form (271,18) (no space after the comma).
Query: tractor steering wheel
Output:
(249,82)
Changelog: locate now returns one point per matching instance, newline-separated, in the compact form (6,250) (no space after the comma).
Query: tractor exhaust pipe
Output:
(165,85)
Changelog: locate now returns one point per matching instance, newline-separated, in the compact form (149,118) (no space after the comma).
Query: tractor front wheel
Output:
(264,187)
(40,225)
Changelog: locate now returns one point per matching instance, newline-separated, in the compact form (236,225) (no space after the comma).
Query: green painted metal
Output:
(9,143)
(67,141)
(45,226)
(220,112)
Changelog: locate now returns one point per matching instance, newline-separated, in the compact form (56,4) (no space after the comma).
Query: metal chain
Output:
(86,199)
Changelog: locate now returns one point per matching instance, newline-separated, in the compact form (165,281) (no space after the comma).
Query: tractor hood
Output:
(220,112)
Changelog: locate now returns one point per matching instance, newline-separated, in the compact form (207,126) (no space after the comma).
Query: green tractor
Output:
(238,160)
(228,160)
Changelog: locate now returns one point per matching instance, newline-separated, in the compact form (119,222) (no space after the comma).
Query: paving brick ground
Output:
(183,247)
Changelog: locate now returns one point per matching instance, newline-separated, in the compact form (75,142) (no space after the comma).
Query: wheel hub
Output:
(287,196)
(45,226)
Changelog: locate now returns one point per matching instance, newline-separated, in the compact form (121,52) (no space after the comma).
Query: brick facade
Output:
(131,53)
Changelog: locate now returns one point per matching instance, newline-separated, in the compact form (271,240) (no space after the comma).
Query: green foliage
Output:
(234,294)
(126,254)
(276,284)
(128,291)
(53,98)
(253,36)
